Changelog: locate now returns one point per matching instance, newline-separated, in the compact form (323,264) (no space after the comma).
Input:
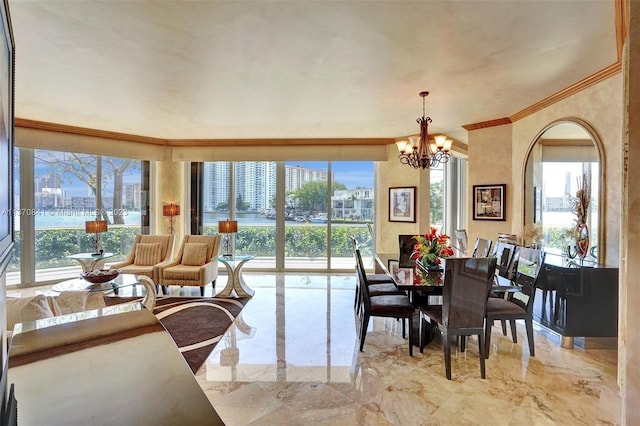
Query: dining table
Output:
(421,293)
(427,291)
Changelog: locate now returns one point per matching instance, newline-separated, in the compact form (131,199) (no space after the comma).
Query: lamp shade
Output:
(95,226)
(228,226)
(171,209)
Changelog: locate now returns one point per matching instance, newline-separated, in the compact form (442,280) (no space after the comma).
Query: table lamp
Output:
(171,210)
(96,227)
(227,227)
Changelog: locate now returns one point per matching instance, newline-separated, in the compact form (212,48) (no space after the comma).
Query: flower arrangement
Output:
(431,248)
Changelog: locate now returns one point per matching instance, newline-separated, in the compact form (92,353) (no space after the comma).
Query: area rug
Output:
(196,324)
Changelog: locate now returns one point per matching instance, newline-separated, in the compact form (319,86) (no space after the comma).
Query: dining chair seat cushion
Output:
(497,306)
(379,278)
(391,303)
(382,289)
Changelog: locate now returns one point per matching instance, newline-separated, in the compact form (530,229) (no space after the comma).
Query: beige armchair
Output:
(193,265)
(148,254)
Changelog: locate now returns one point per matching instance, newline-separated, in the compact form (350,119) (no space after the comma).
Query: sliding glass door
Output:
(290,215)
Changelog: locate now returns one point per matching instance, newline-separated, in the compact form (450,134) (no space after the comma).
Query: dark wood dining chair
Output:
(507,257)
(519,304)
(383,305)
(466,288)
(482,248)
(379,284)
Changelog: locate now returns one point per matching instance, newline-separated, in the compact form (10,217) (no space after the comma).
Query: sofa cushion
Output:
(27,309)
(71,302)
(194,254)
(148,254)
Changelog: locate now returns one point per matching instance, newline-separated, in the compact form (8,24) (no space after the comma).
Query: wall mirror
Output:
(564,171)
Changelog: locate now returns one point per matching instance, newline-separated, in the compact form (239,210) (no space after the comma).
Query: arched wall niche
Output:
(564,148)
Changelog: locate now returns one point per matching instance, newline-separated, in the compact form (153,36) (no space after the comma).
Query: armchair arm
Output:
(121,264)
(210,271)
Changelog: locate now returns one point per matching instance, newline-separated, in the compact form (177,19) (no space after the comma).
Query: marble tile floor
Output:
(292,358)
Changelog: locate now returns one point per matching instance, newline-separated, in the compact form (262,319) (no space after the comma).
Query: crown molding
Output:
(599,76)
(84,131)
(489,123)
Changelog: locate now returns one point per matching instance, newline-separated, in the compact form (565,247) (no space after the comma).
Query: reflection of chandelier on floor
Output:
(419,152)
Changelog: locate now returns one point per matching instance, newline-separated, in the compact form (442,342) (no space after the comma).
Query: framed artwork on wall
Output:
(402,204)
(489,202)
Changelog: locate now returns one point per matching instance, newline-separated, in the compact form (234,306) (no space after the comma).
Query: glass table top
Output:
(90,256)
(237,258)
(79,284)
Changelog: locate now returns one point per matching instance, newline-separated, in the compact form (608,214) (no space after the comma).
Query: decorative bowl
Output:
(100,276)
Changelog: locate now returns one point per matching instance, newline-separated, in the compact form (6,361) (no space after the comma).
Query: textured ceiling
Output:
(299,69)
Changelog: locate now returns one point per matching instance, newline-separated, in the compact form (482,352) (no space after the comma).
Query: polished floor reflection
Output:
(292,358)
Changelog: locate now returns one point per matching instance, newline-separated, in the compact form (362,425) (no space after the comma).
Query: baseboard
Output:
(597,342)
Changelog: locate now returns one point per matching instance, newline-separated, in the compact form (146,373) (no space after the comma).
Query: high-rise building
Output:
(255,183)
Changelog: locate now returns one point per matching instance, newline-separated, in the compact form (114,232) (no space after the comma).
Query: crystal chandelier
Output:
(419,152)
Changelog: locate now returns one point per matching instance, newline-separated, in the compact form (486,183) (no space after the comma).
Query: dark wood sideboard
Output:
(577,300)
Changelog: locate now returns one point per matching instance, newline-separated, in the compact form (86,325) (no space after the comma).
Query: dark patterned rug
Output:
(196,323)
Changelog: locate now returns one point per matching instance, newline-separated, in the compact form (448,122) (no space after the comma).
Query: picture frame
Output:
(402,204)
(402,276)
(489,202)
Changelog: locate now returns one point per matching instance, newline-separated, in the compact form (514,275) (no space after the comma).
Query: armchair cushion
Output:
(195,254)
(148,254)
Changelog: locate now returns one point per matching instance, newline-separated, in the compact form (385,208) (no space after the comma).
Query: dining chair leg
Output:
(529,325)
(421,330)
(410,318)
(514,333)
(463,343)
(404,329)
(355,296)
(363,329)
(481,349)
(504,327)
(447,355)
(487,339)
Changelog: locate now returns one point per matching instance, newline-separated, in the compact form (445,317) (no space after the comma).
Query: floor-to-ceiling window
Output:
(56,193)
(449,197)
(290,215)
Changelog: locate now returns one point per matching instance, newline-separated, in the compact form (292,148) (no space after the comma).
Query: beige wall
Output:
(169,184)
(629,328)
(389,174)
(498,155)
(601,107)
(490,163)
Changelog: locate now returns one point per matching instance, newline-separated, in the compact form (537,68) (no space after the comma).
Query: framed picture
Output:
(402,204)
(489,202)
(403,276)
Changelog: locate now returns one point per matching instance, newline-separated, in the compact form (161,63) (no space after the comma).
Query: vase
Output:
(582,240)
